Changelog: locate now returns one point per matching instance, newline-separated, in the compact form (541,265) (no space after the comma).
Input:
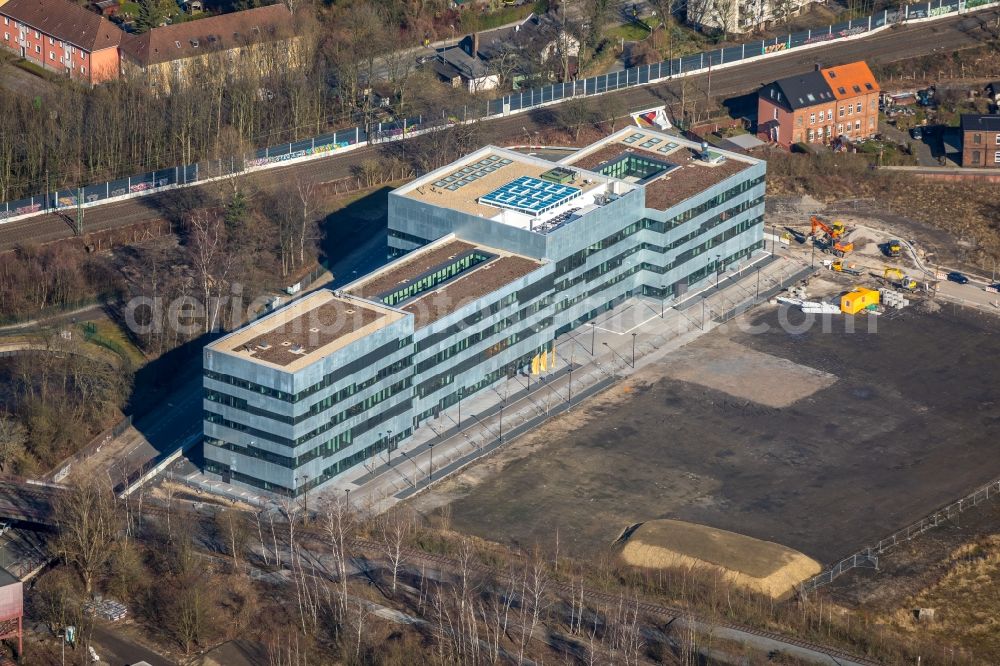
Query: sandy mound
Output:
(726,366)
(760,565)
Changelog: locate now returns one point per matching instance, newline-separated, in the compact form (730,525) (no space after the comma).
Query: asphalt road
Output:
(116,650)
(896,44)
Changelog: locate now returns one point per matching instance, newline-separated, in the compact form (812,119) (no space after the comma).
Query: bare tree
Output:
(88,522)
(13,437)
(339,526)
(395,526)
(307,194)
(534,581)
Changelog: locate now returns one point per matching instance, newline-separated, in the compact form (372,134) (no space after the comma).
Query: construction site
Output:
(773,444)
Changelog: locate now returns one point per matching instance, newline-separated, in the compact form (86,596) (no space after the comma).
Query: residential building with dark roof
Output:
(819,106)
(494,58)
(981,141)
(62,37)
(263,38)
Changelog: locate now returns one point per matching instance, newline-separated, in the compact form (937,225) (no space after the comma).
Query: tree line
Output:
(348,584)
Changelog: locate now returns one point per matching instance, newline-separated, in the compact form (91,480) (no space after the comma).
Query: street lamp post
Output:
(461,391)
(633,350)
(663,299)
(717,271)
(431,449)
(703,299)
(388,447)
(757,295)
(569,400)
(593,337)
(347,493)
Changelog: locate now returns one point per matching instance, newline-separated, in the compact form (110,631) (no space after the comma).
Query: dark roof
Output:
(799,92)
(469,67)
(531,35)
(65,21)
(216,33)
(980,123)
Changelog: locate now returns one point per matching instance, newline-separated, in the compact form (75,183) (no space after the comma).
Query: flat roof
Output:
(489,182)
(497,270)
(692,176)
(308,329)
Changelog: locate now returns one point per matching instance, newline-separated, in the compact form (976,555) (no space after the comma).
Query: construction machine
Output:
(897,278)
(893,248)
(834,238)
(840,267)
(837,230)
(842,248)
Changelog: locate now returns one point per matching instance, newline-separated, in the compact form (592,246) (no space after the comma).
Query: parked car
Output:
(917,133)
(960,278)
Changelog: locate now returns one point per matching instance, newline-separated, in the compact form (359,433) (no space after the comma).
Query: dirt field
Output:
(909,424)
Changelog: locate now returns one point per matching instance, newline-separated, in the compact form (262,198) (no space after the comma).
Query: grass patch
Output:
(964,601)
(37,70)
(104,333)
(633,32)
(473,21)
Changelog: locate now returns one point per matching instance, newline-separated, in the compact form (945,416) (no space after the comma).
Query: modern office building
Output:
(499,253)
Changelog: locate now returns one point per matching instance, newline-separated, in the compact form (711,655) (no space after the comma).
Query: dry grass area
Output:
(721,364)
(761,566)
(965,600)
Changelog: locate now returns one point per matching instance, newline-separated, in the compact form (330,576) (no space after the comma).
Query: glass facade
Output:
(286,433)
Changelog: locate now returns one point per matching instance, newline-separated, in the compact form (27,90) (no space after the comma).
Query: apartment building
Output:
(261,40)
(740,16)
(981,140)
(820,106)
(499,253)
(63,37)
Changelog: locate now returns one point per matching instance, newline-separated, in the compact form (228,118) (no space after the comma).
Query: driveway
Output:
(921,149)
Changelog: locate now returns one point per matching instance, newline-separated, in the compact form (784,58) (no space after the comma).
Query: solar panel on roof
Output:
(530,195)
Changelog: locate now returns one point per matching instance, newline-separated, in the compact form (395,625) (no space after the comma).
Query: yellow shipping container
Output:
(855,301)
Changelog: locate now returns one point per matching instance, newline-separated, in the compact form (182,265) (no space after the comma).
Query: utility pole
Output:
(709,100)
(79,212)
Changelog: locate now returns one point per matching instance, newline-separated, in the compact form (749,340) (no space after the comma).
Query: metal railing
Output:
(327,144)
(869,555)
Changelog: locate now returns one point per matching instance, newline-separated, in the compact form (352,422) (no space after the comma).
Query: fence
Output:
(327,144)
(62,470)
(869,556)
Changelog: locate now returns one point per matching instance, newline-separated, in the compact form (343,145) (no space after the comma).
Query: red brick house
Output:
(63,37)
(981,141)
(819,106)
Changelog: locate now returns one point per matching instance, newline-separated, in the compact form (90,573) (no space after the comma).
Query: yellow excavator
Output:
(898,279)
